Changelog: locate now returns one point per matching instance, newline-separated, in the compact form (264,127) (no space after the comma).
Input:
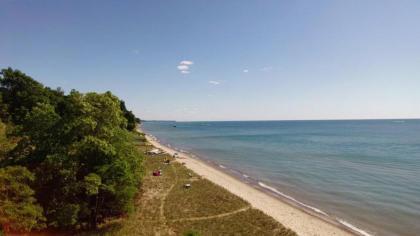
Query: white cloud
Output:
(183,67)
(213,82)
(246,71)
(188,63)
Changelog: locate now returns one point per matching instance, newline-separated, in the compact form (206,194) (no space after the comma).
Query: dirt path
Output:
(214,216)
(165,229)
(165,195)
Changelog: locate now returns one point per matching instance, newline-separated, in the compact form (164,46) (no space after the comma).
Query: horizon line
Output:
(356,119)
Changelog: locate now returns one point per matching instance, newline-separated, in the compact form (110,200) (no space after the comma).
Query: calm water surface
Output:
(365,173)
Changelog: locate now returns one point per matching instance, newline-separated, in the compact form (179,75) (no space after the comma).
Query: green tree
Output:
(83,156)
(132,120)
(77,145)
(18,208)
(6,144)
(4,114)
(20,92)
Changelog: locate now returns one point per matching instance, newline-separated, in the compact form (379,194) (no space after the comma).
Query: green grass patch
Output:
(250,222)
(203,198)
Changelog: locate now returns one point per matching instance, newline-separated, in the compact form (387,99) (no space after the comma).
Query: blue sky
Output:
(225,60)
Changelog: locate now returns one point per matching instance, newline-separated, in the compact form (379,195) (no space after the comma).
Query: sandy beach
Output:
(292,217)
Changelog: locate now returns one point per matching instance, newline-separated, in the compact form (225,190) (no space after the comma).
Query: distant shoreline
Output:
(302,221)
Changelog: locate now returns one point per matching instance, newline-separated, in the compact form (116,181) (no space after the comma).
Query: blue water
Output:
(366,173)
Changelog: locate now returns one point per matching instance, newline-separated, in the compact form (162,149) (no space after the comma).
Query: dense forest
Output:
(67,160)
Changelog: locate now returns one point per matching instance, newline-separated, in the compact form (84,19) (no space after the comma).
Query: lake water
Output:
(365,173)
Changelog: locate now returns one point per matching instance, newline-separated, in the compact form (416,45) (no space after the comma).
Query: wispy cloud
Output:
(135,51)
(184,66)
(245,70)
(213,82)
(188,63)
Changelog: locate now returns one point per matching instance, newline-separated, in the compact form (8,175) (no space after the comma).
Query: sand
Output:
(292,217)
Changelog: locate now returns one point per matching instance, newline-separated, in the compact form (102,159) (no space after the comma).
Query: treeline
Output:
(66,160)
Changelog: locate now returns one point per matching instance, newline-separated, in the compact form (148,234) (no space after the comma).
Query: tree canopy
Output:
(77,148)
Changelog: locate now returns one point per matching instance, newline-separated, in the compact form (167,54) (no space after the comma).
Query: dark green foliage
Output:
(18,208)
(6,144)
(20,92)
(4,114)
(132,120)
(191,233)
(78,146)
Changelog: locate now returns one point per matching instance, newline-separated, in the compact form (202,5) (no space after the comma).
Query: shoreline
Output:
(301,218)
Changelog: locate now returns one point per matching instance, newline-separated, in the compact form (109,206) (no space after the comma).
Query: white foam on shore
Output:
(354,228)
(222,166)
(291,198)
(343,222)
(246,176)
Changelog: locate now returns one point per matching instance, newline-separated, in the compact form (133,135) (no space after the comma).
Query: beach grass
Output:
(166,207)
